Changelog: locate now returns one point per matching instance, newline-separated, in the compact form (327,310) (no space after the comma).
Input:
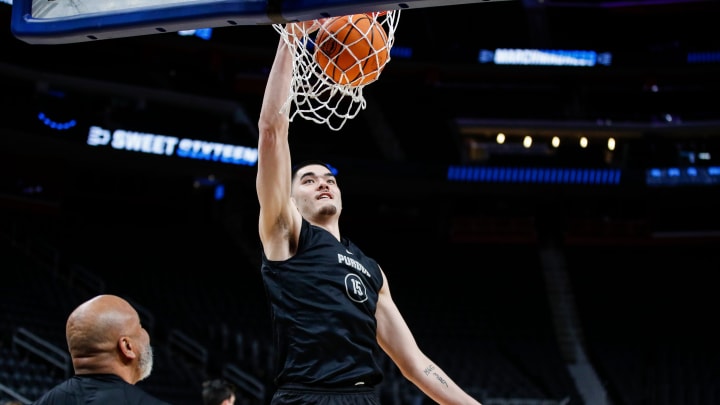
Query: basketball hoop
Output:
(332,94)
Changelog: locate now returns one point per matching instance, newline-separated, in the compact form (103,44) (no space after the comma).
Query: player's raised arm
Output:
(279,219)
(273,173)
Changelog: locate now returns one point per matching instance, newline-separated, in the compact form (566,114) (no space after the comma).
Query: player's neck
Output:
(330,225)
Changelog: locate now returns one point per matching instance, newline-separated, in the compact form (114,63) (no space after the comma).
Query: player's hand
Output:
(303,28)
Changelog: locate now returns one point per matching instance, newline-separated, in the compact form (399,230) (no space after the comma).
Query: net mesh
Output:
(332,94)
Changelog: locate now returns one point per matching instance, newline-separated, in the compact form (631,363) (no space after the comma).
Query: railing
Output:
(246,382)
(43,349)
(189,347)
(10,392)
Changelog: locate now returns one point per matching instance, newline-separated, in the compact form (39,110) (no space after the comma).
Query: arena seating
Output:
(491,328)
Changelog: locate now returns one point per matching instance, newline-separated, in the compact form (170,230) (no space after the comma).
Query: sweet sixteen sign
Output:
(121,139)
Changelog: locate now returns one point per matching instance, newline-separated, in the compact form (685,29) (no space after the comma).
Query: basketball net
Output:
(314,95)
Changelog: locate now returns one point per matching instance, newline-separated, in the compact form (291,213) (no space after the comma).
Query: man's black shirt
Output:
(100,389)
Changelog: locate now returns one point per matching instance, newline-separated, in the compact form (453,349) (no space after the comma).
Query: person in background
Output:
(110,352)
(218,392)
(331,307)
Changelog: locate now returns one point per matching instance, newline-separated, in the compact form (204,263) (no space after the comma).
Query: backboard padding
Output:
(68,21)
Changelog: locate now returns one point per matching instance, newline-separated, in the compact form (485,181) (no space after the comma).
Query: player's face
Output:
(316,192)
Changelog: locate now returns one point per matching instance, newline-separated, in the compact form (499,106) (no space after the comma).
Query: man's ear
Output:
(126,347)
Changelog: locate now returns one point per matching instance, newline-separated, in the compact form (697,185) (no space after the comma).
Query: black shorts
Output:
(325,396)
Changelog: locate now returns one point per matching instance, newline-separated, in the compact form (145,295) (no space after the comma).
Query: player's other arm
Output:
(396,339)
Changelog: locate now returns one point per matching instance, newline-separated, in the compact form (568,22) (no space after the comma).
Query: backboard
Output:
(67,21)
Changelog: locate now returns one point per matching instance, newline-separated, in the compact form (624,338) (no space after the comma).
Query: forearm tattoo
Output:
(430,370)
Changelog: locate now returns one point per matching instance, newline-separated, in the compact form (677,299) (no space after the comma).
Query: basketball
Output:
(377,13)
(351,50)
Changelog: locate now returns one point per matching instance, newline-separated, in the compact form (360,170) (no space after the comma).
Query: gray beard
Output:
(146,363)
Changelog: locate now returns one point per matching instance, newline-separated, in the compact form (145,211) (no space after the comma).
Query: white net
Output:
(334,59)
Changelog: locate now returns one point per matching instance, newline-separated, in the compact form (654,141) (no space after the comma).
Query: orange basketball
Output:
(377,13)
(351,50)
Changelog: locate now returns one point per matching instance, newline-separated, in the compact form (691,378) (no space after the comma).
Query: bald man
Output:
(110,352)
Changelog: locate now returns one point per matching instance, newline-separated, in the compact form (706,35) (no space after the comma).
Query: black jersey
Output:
(322,302)
(97,389)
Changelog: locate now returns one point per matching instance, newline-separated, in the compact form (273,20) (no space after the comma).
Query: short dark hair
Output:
(304,163)
(215,391)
